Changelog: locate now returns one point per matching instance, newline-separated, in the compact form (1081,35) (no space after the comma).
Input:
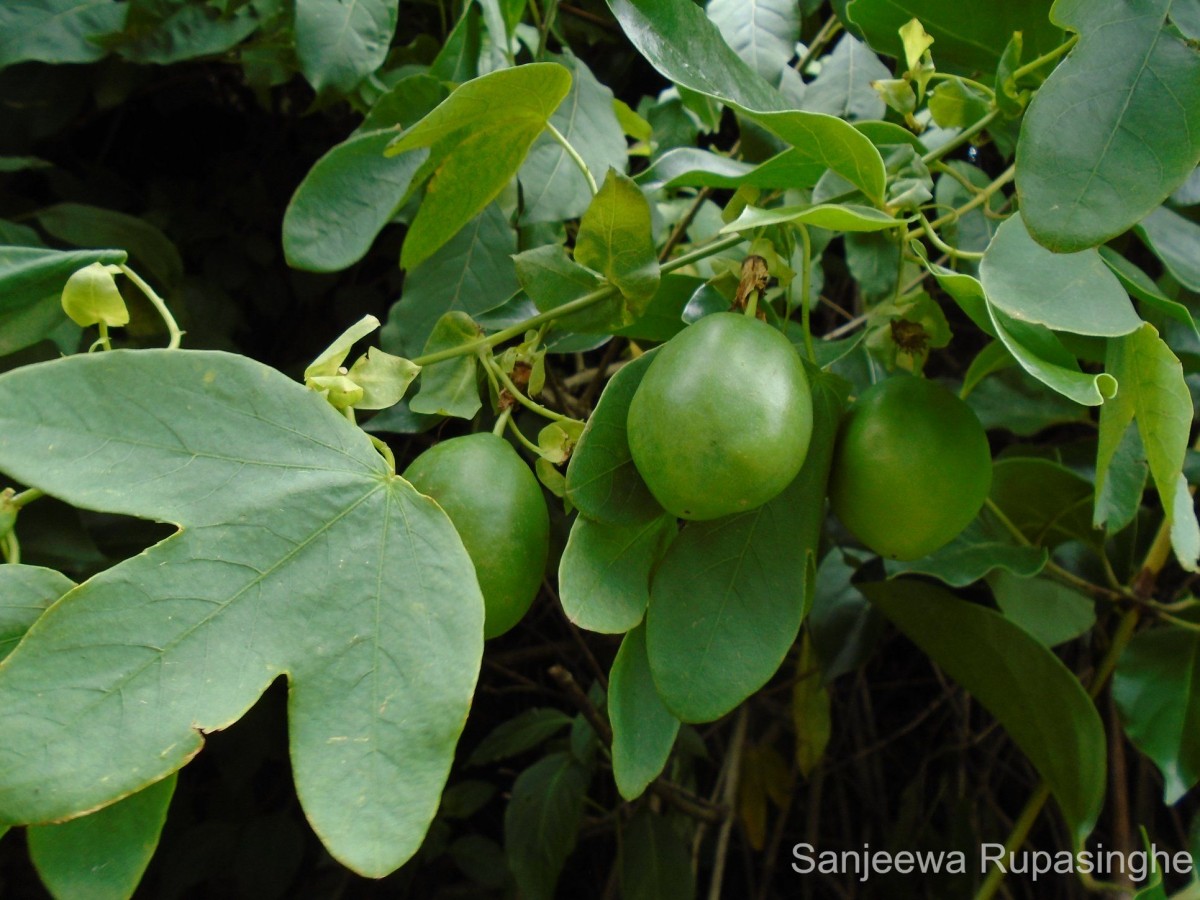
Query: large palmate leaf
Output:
(1036,698)
(681,43)
(477,139)
(340,42)
(1115,128)
(728,598)
(298,554)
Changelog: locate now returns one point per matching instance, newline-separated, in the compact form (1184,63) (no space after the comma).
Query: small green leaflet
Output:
(604,574)
(298,555)
(602,480)
(616,240)
(831,216)
(1154,393)
(450,387)
(643,729)
(477,139)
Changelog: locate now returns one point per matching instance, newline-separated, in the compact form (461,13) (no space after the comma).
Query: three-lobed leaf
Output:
(298,554)
(477,139)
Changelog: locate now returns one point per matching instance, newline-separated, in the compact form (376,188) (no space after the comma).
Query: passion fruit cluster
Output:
(722,421)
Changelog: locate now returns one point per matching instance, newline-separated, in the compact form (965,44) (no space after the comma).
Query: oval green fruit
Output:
(497,507)
(722,419)
(911,468)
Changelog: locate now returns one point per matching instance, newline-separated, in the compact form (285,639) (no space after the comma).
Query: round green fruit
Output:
(495,503)
(722,419)
(911,468)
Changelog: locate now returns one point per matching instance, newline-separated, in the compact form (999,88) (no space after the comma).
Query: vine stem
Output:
(1051,566)
(385,451)
(979,86)
(942,245)
(827,32)
(10,548)
(502,422)
(525,442)
(978,200)
(736,743)
(520,397)
(806,293)
(159,304)
(1035,64)
(573,306)
(962,138)
(575,157)
(26,497)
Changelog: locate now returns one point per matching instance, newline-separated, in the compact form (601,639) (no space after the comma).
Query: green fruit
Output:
(722,419)
(497,507)
(911,469)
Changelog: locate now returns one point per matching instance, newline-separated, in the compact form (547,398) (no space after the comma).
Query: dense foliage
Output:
(640,263)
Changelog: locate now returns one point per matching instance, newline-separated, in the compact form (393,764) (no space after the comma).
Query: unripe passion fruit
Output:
(496,506)
(911,468)
(722,419)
